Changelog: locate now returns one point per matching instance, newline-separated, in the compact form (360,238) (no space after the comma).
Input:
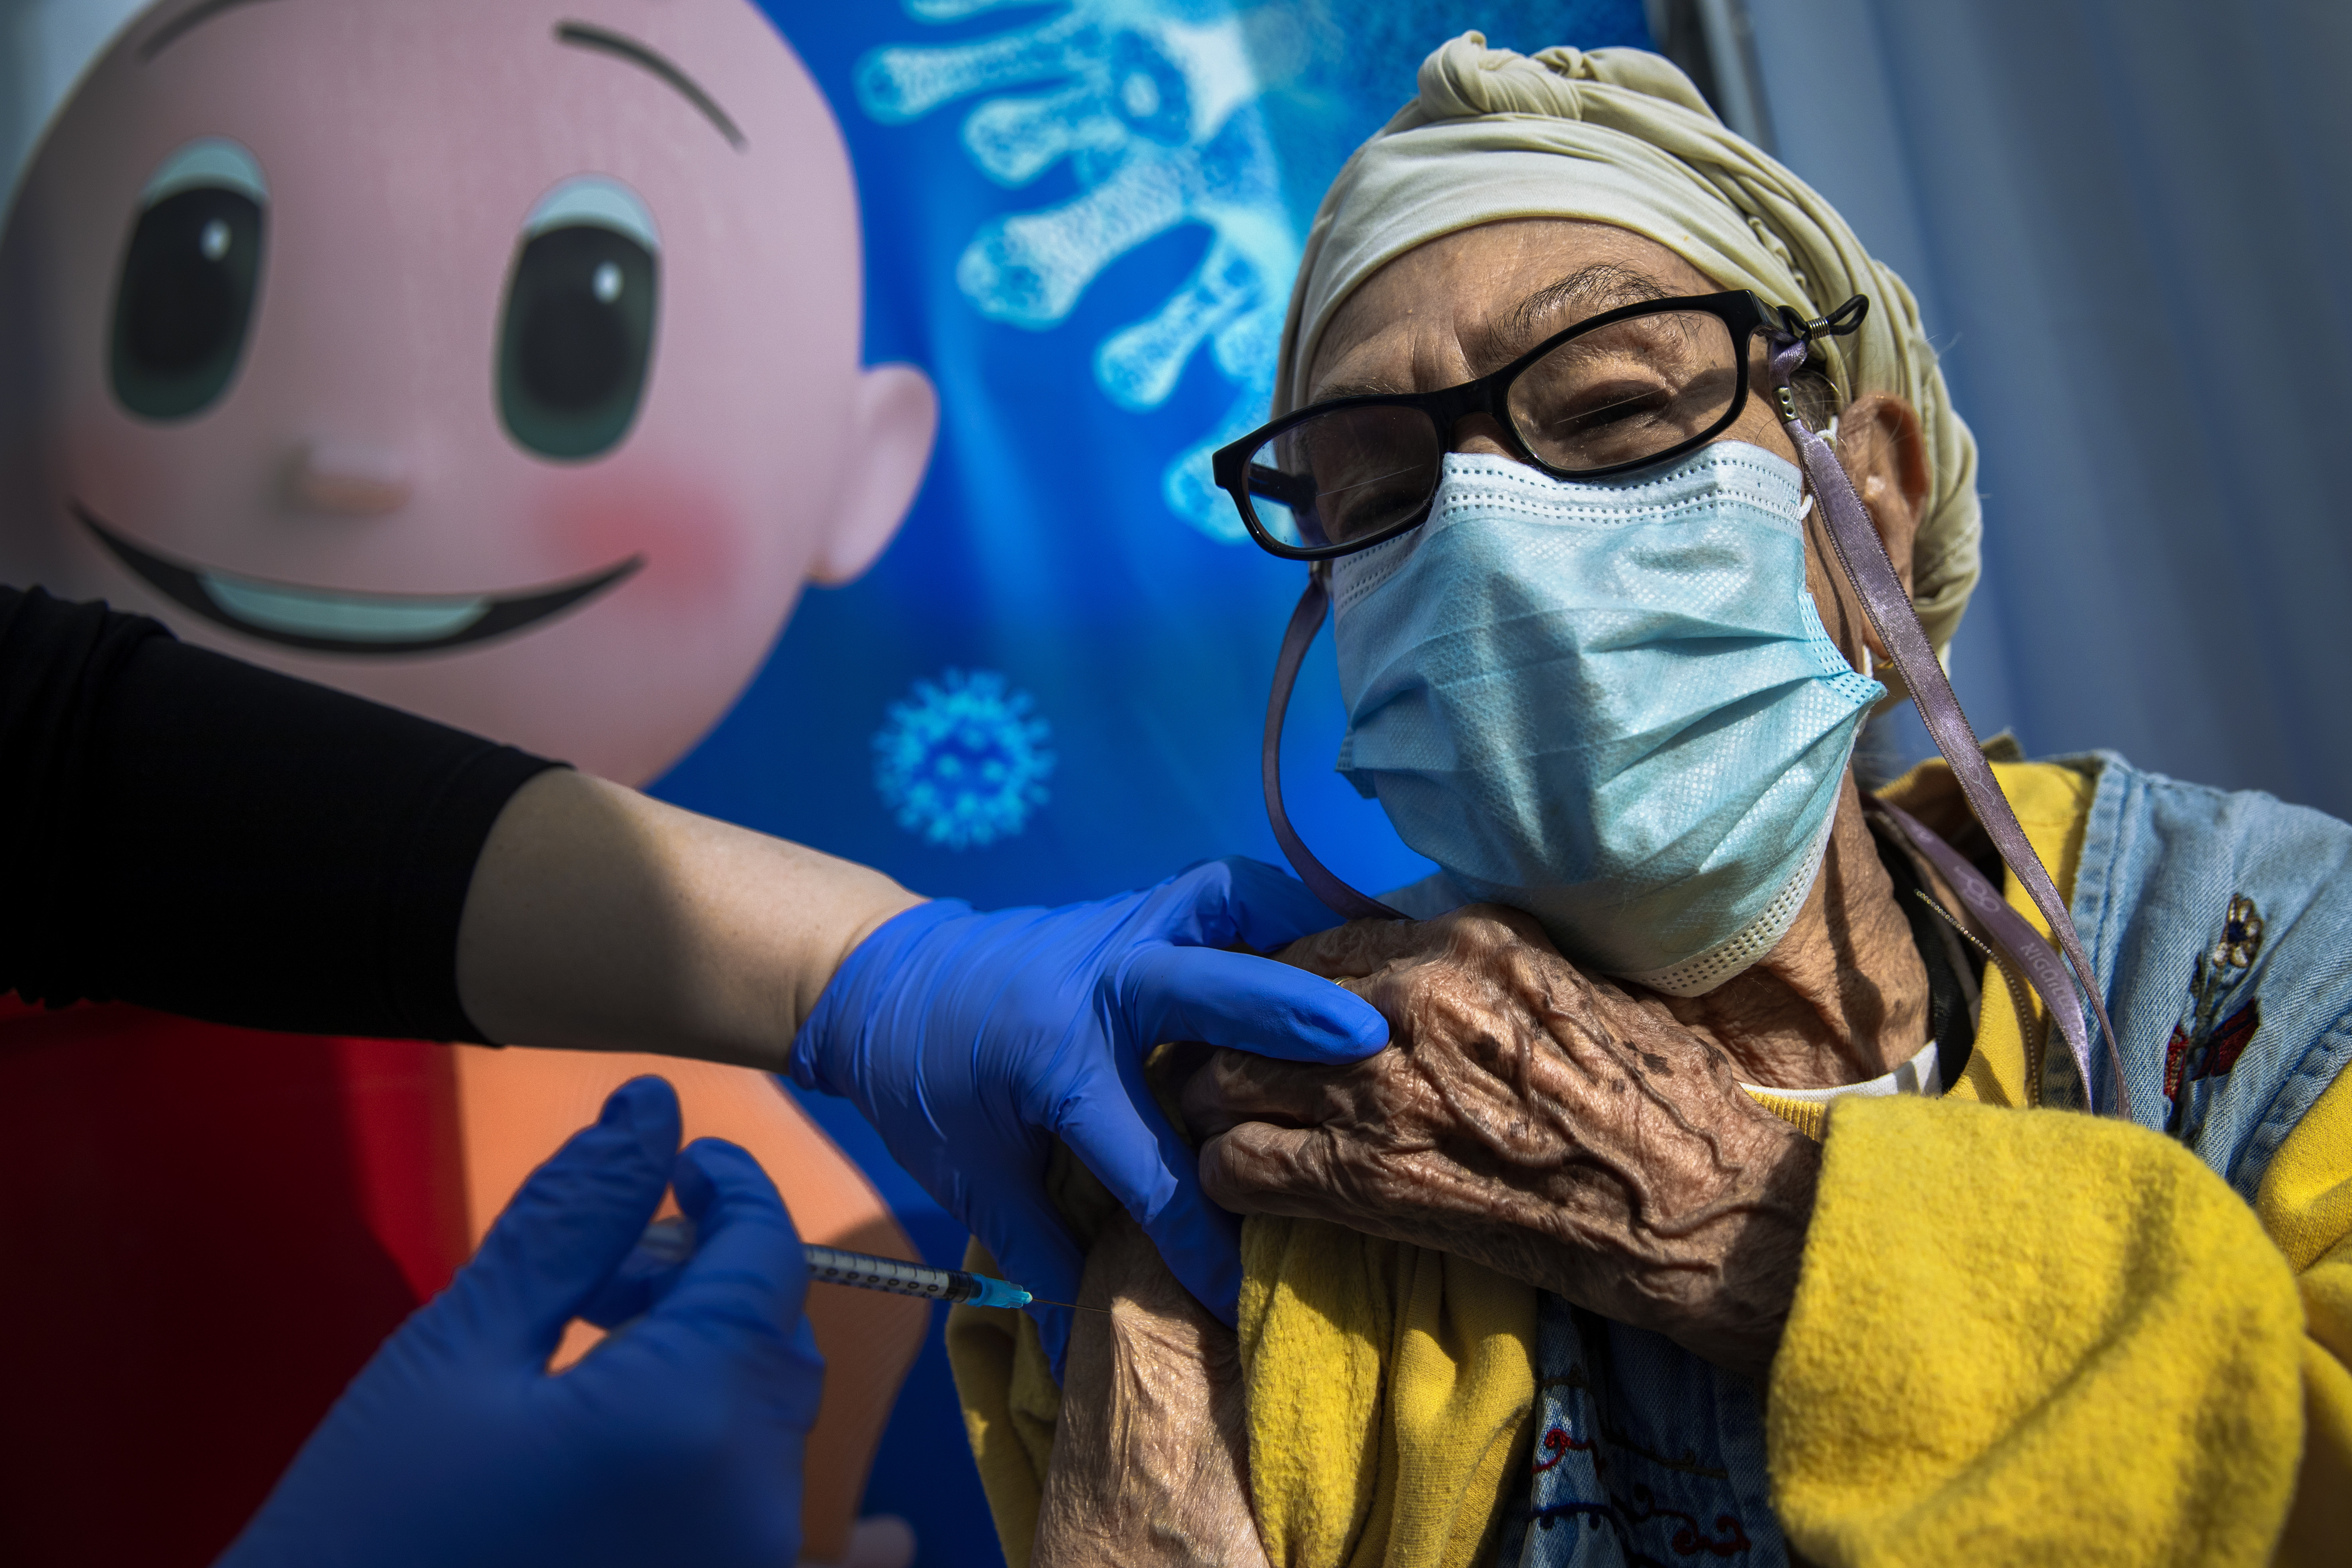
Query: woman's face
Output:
(1470,302)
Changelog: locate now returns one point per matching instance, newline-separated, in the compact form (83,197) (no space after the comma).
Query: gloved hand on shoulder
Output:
(971,1040)
(678,1439)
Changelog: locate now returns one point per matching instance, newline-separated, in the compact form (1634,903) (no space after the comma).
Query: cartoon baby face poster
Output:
(498,365)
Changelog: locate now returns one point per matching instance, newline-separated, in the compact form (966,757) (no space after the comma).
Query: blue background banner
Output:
(1082,221)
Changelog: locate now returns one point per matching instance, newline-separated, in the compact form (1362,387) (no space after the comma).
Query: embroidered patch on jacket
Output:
(1593,1485)
(2222,1048)
(1688,1537)
(2204,1044)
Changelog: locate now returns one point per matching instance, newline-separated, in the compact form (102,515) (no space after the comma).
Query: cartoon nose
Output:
(346,479)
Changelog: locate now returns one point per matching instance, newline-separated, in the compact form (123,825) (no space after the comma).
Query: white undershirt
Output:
(1923,1074)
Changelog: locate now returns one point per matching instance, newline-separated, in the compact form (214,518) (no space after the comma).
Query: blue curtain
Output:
(2128,222)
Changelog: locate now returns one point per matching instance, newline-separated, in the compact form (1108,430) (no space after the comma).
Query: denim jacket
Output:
(2222,926)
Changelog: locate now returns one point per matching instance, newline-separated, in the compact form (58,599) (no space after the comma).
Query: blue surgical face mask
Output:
(1609,703)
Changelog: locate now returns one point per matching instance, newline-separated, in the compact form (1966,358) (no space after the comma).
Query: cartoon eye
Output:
(578,329)
(185,301)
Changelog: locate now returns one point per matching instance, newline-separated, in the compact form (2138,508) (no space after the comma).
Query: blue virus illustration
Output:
(964,761)
(1156,105)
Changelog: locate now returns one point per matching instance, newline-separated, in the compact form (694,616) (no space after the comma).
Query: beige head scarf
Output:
(1620,136)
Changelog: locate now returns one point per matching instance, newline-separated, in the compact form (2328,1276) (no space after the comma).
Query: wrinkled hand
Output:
(679,1439)
(1538,1121)
(971,1041)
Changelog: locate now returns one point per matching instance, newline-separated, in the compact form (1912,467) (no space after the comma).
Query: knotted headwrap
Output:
(1621,137)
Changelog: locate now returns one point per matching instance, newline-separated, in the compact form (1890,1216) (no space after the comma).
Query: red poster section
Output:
(209,1230)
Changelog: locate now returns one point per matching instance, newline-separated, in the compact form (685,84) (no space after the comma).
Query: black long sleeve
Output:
(201,836)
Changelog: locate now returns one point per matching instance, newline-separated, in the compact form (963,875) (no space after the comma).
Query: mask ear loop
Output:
(1305,622)
(1863,556)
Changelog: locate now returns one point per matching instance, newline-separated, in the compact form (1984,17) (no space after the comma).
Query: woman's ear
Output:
(895,419)
(1885,453)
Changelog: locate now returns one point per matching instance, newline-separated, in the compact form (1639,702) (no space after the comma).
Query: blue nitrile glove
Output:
(676,1440)
(971,1040)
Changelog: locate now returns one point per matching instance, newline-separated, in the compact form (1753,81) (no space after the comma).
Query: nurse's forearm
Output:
(598,919)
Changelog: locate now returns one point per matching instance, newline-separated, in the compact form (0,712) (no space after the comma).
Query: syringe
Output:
(832,1266)
(672,1240)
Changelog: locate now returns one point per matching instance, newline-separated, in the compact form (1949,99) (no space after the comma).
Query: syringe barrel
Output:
(832,1265)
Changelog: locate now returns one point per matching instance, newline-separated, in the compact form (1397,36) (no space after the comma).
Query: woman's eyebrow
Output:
(1587,291)
(1358,389)
(582,35)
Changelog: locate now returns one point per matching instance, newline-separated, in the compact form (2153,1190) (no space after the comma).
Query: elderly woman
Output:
(1748,1177)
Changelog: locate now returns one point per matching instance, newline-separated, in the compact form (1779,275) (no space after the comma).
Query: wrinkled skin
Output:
(1545,1123)
(1151,1460)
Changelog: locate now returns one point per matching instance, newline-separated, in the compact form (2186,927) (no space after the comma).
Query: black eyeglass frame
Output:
(1740,310)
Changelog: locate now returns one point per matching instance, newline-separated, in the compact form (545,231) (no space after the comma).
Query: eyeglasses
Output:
(1621,390)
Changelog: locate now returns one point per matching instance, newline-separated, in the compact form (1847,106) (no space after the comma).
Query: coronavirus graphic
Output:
(1155,103)
(964,761)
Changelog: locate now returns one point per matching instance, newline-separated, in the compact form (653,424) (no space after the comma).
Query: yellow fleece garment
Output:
(2305,1204)
(1390,1391)
(2095,1358)
(1011,1407)
(2100,1356)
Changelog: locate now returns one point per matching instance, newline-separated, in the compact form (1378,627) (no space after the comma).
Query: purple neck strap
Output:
(1863,556)
(1305,622)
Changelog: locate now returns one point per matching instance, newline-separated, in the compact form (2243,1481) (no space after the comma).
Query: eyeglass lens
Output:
(1618,395)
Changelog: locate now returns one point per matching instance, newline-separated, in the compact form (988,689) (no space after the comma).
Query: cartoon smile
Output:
(337,620)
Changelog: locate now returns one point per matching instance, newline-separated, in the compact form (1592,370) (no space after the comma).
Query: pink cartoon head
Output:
(494,359)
